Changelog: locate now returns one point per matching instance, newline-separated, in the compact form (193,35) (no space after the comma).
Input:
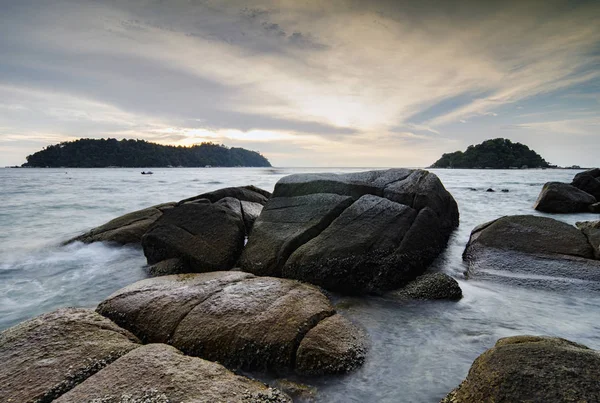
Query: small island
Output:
(495,154)
(103,153)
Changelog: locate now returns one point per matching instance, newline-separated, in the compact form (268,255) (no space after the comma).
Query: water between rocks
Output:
(420,350)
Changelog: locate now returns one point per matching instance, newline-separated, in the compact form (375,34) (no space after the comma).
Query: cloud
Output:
(339,75)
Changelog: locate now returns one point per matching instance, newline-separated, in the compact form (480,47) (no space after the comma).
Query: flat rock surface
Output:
(235,318)
(157,373)
(46,356)
(363,232)
(532,369)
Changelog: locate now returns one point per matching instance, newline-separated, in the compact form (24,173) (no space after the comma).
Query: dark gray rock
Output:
(205,237)
(47,356)
(557,197)
(332,346)
(285,224)
(594,208)
(353,233)
(127,229)
(157,373)
(166,267)
(429,286)
(231,317)
(589,182)
(532,369)
(243,193)
(591,229)
(533,252)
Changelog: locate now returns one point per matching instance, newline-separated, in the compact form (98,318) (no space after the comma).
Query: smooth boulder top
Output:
(534,252)
(45,357)
(235,318)
(126,229)
(159,373)
(562,198)
(353,233)
(243,193)
(532,369)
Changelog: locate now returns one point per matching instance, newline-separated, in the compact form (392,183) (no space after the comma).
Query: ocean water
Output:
(419,350)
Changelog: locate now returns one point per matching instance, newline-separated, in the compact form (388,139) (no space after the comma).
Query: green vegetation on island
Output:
(497,154)
(93,153)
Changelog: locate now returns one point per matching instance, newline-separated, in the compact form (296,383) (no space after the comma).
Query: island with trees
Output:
(102,153)
(496,154)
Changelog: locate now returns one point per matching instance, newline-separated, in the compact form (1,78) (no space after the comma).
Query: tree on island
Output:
(497,153)
(93,153)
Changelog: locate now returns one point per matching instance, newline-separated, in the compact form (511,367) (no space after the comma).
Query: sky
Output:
(307,83)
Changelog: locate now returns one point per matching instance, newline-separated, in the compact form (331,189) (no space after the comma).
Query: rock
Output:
(235,318)
(505,190)
(429,286)
(591,229)
(46,356)
(160,373)
(490,190)
(166,267)
(332,346)
(126,229)
(352,233)
(594,208)
(285,224)
(557,197)
(532,369)
(244,193)
(532,251)
(589,182)
(296,390)
(205,237)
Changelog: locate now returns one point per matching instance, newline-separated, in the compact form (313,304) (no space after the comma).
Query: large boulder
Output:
(159,373)
(47,356)
(532,369)
(557,197)
(532,251)
(235,318)
(589,182)
(591,229)
(127,229)
(354,233)
(204,237)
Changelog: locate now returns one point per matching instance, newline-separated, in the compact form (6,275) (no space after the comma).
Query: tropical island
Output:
(496,154)
(103,153)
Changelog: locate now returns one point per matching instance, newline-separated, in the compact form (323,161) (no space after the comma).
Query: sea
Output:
(419,351)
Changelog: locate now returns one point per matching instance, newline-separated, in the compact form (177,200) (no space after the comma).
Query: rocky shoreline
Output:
(241,280)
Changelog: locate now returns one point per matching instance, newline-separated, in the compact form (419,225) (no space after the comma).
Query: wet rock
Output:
(532,251)
(160,373)
(589,182)
(591,229)
(235,318)
(296,390)
(532,369)
(594,208)
(352,233)
(332,346)
(557,197)
(490,190)
(127,229)
(429,286)
(505,190)
(45,357)
(204,237)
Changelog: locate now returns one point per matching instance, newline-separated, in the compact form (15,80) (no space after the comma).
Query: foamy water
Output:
(420,350)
